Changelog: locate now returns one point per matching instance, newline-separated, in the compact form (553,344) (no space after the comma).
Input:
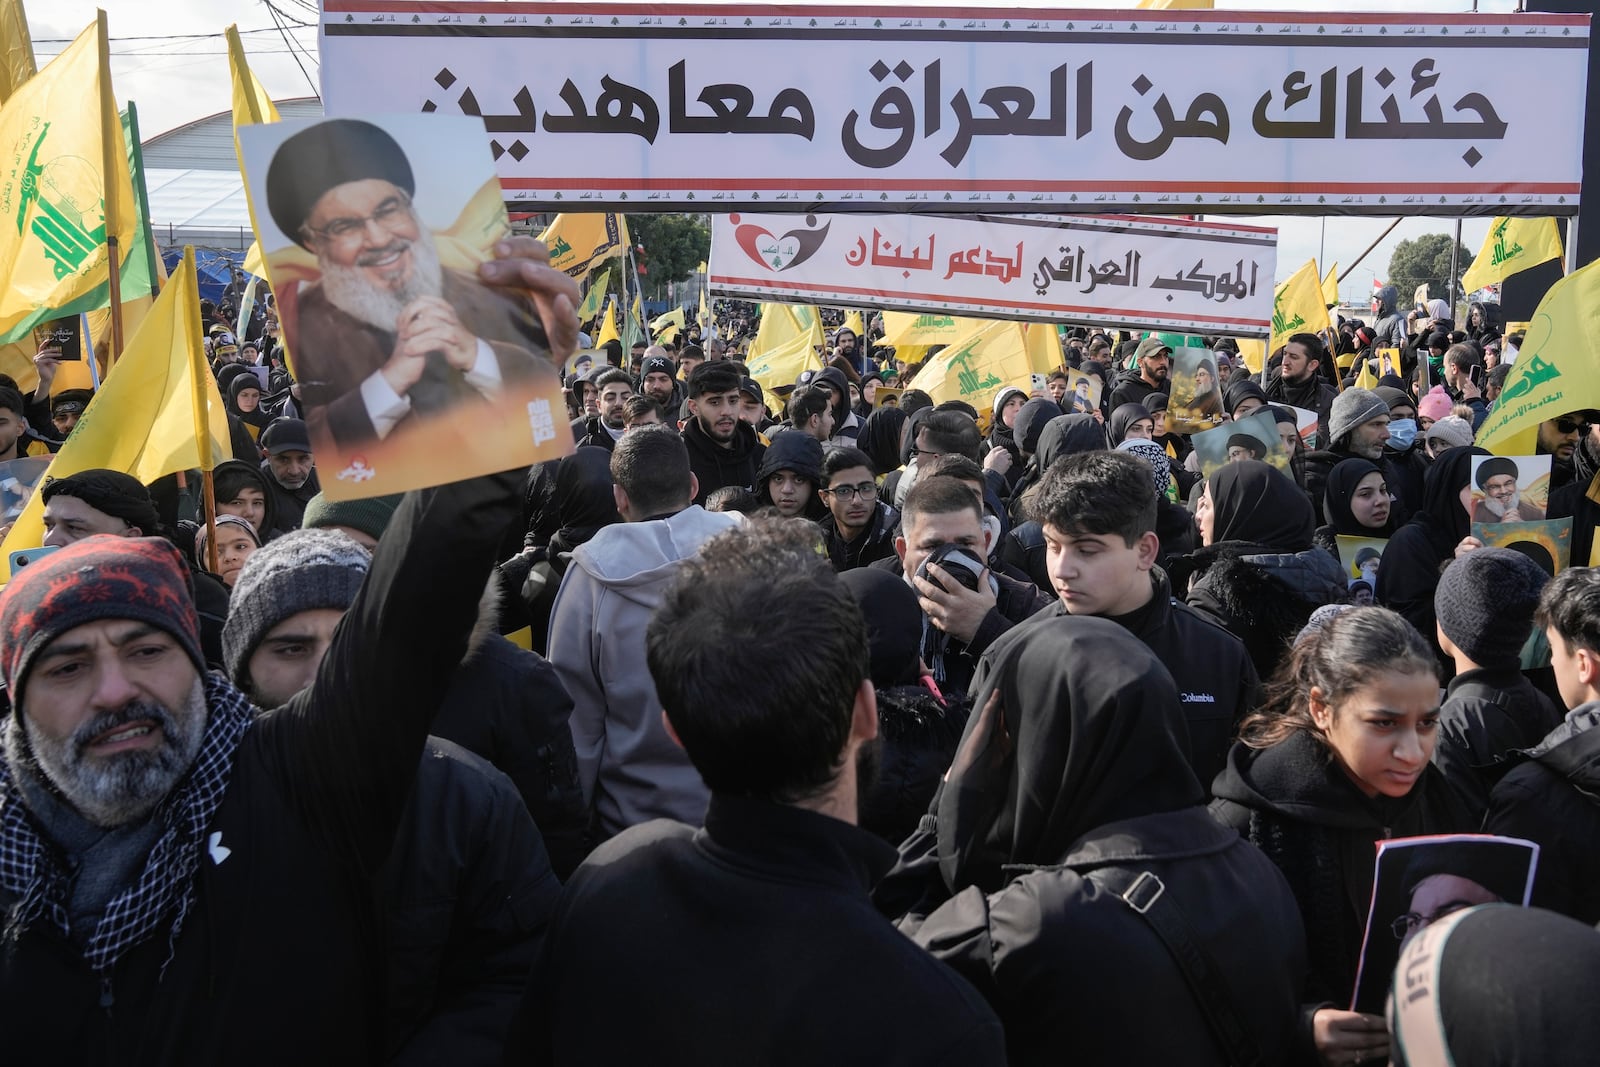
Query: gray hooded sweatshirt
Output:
(630,769)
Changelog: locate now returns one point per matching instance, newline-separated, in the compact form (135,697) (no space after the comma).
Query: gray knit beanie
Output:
(1350,409)
(300,571)
(1485,604)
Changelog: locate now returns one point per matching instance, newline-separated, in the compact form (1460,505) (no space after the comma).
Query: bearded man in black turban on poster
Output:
(387,333)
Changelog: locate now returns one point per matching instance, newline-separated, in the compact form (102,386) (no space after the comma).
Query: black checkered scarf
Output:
(31,869)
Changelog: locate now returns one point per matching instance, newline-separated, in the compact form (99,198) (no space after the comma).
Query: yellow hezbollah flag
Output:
(666,327)
(976,367)
(1330,286)
(902,328)
(1253,350)
(609,331)
(853,323)
(706,321)
(1297,306)
(1044,348)
(785,345)
(17,64)
(157,412)
(579,243)
(1557,369)
(1512,245)
(68,191)
(251,106)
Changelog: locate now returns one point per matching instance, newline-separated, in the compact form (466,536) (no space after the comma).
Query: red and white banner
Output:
(714,107)
(1147,273)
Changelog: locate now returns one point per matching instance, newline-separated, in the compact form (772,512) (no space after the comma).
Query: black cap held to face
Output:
(330,154)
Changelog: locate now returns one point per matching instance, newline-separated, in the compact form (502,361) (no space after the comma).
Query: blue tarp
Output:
(214,269)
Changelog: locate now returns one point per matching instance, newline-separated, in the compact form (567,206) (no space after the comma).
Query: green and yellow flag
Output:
(252,105)
(157,412)
(1512,245)
(915,329)
(17,64)
(665,327)
(977,366)
(70,188)
(1297,307)
(595,298)
(1330,286)
(785,345)
(1557,369)
(1044,348)
(579,243)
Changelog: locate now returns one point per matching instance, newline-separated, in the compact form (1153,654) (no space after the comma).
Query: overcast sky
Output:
(177,80)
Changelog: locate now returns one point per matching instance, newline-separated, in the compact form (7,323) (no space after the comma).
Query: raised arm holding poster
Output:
(412,372)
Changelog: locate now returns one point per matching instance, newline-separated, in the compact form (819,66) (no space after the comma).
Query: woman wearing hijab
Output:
(1438,532)
(1356,503)
(1061,436)
(880,438)
(1337,760)
(1008,404)
(918,726)
(1132,421)
(1068,832)
(1175,526)
(237,541)
(1257,574)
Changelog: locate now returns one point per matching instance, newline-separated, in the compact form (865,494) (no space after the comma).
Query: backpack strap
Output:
(1146,896)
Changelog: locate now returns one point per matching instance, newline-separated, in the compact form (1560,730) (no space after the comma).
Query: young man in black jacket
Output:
(858,529)
(1551,797)
(752,940)
(184,874)
(1098,513)
(723,448)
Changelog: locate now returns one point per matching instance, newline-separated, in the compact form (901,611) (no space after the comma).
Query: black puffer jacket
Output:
(917,737)
(1553,798)
(1262,598)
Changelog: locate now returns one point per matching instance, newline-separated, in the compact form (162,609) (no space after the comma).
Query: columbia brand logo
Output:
(1198,698)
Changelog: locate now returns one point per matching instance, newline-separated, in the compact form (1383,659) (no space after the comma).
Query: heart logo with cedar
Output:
(778,252)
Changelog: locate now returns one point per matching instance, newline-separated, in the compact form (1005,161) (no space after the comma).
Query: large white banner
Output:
(713,107)
(1107,270)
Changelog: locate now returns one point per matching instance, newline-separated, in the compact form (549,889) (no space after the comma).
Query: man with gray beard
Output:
(387,332)
(185,878)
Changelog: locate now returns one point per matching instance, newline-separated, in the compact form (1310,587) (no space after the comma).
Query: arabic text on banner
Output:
(590,106)
(1167,274)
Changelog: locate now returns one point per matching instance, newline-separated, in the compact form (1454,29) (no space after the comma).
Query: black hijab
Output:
(1081,749)
(1441,514)
(1239,389)
(1341,485)
(894,624)
(582,498)
(1123,418)
(1256,502)
(1031,421)
(880,438)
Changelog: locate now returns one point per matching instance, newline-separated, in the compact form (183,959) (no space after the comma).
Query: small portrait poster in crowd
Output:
(1420,880)
(1510,488)
(1196,402)
(1253,437)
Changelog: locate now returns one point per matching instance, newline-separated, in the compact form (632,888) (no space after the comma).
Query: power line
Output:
(162,37)
(273,11)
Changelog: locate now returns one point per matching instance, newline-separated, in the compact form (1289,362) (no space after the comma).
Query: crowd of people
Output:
(794,727)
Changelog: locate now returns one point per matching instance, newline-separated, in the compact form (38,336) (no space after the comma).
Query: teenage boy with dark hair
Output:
(859,527)
(723,448)
(1554,797)
(775,887)
(17,439)
(811,411)
(962,618)
(1098,511)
